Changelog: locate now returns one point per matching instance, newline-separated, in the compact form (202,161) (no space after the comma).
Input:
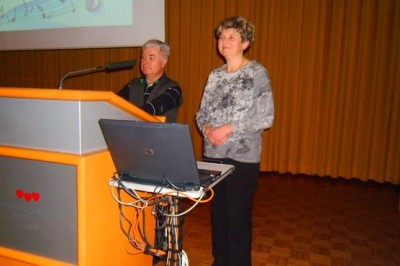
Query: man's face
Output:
(152,62)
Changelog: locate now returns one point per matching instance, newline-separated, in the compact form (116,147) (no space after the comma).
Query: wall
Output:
(334,68)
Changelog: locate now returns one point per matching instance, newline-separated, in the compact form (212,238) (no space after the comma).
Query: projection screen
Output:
(70,24)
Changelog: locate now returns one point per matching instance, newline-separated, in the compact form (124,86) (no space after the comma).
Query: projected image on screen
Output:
(59,24)
(45,14)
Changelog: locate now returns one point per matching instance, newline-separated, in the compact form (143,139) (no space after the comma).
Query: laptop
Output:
(157,154)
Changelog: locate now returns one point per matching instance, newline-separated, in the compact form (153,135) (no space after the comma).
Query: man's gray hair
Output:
(164,48)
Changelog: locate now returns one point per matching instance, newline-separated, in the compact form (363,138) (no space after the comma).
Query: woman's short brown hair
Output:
(241,25)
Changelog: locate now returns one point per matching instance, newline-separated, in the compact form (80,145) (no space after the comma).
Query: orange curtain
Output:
(334,67)
(333,64)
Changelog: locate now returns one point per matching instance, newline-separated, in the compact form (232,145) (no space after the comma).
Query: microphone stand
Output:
(78,73)
(110,67)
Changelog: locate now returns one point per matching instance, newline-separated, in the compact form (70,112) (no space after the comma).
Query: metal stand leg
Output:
(169,231)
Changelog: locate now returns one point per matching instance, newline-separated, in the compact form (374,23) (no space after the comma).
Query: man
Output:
(154,92)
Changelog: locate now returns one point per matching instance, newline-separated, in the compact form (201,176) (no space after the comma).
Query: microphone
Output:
(109,67)
(120,65)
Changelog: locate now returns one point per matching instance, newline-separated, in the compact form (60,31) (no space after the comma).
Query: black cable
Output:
(161,222)
(128,190)
(172,184)
(143,234)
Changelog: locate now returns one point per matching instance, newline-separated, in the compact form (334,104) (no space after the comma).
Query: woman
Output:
(236,107)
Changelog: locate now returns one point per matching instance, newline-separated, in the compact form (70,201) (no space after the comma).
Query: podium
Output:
(55,201)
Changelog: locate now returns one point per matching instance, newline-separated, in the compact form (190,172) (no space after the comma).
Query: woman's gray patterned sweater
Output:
(244,99)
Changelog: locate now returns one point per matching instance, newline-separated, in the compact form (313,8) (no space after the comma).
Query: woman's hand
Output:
(218,135)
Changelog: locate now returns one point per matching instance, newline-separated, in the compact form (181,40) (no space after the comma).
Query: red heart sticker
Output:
(20,193)
(35,196)
(27,196)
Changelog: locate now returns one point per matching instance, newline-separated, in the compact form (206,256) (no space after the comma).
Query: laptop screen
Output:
(158,154)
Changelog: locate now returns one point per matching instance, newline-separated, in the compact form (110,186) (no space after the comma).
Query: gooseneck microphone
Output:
(120,65)
(109,67)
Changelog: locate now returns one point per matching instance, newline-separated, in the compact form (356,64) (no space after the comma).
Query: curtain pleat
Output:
(334,69)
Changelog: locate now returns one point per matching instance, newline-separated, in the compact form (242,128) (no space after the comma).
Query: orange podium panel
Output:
(55,202)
